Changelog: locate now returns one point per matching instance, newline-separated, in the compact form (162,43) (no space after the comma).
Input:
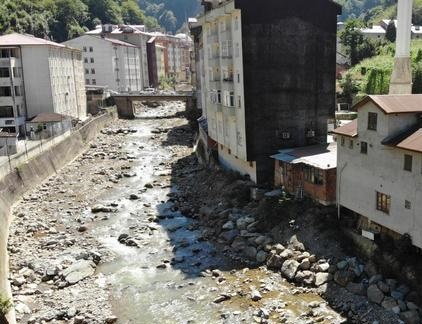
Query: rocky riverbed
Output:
(135,231)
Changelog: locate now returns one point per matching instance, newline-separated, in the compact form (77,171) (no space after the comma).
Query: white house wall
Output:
(360,176)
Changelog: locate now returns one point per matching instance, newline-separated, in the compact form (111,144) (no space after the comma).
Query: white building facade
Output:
(39,76)
(379,169)
(131,34)
(110,62)
(222,86)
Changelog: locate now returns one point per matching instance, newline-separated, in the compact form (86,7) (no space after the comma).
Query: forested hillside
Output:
(64,19)
(376,10)
(171,14)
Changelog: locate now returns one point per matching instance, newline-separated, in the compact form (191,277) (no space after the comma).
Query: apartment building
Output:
(379,166)
(268,78)
(109,62)
(132,34)
(38,76)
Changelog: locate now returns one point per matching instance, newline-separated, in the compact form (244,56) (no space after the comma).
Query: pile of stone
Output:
(240,235)
(299,266)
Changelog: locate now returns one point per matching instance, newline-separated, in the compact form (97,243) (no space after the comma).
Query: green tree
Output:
(107,11)
(417,79)
(69,17)
(131,13)
(351,37)
(391,31)
(349,87)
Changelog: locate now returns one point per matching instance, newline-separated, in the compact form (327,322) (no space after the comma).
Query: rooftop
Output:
(46,117)
(395,104)
(349,129)
(321,156)
(16,39)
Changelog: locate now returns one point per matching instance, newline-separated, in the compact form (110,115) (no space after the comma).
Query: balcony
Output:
(230,110)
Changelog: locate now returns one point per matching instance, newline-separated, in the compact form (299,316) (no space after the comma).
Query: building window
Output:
(372,121)
(251,164)
(383,202)
(92,60)
(363,147)
(342,141)
(351,144)
(239,101)
(92,71)
(408,159)
(219,96)
(5,92)
(87,81)
(91,49)
(94,81)
(407,204)
(4,73)
(85,60)
(229,151)
(313,175)
(84,48)
(231,99)
(238,78)
(86,71)
(18,91)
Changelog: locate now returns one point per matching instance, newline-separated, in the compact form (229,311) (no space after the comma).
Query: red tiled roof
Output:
(350,129)
(395,104)
(413,142)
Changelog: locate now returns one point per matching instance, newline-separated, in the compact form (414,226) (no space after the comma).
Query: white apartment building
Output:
(38,76)
(132,34)
(379,166)
(109,62)
(223,91)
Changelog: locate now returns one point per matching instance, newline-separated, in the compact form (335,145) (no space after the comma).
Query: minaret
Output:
(401,79)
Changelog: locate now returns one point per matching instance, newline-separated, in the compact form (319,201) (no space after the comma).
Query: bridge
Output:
(125,108)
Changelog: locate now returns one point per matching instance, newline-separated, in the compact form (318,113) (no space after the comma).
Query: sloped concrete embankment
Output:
(31,173)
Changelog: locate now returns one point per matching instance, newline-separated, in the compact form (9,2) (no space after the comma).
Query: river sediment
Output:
(113,237)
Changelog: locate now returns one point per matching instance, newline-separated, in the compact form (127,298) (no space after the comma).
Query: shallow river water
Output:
(178,293)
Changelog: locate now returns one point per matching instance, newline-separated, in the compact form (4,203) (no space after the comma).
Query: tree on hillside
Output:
(25,16)
(357,46)
(107,11)
(391,31)
(69,18)
(350,88)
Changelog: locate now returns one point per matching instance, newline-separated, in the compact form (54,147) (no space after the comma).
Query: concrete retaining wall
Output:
(28,174)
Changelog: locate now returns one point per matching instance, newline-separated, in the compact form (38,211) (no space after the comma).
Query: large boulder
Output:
(343,277)
(305,277)
(322,278)
(289,268)
(78,271)
(275,261)
(410,317)
(356,288)
(295,244)
(375,295)
(250,252)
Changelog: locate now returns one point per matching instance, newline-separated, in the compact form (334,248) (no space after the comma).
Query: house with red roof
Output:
(379,166)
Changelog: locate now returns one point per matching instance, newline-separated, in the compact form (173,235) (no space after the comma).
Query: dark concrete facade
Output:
(289,61)
(152,64)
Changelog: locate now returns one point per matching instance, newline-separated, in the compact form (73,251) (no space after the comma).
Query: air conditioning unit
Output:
(285,135)
(310,133)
